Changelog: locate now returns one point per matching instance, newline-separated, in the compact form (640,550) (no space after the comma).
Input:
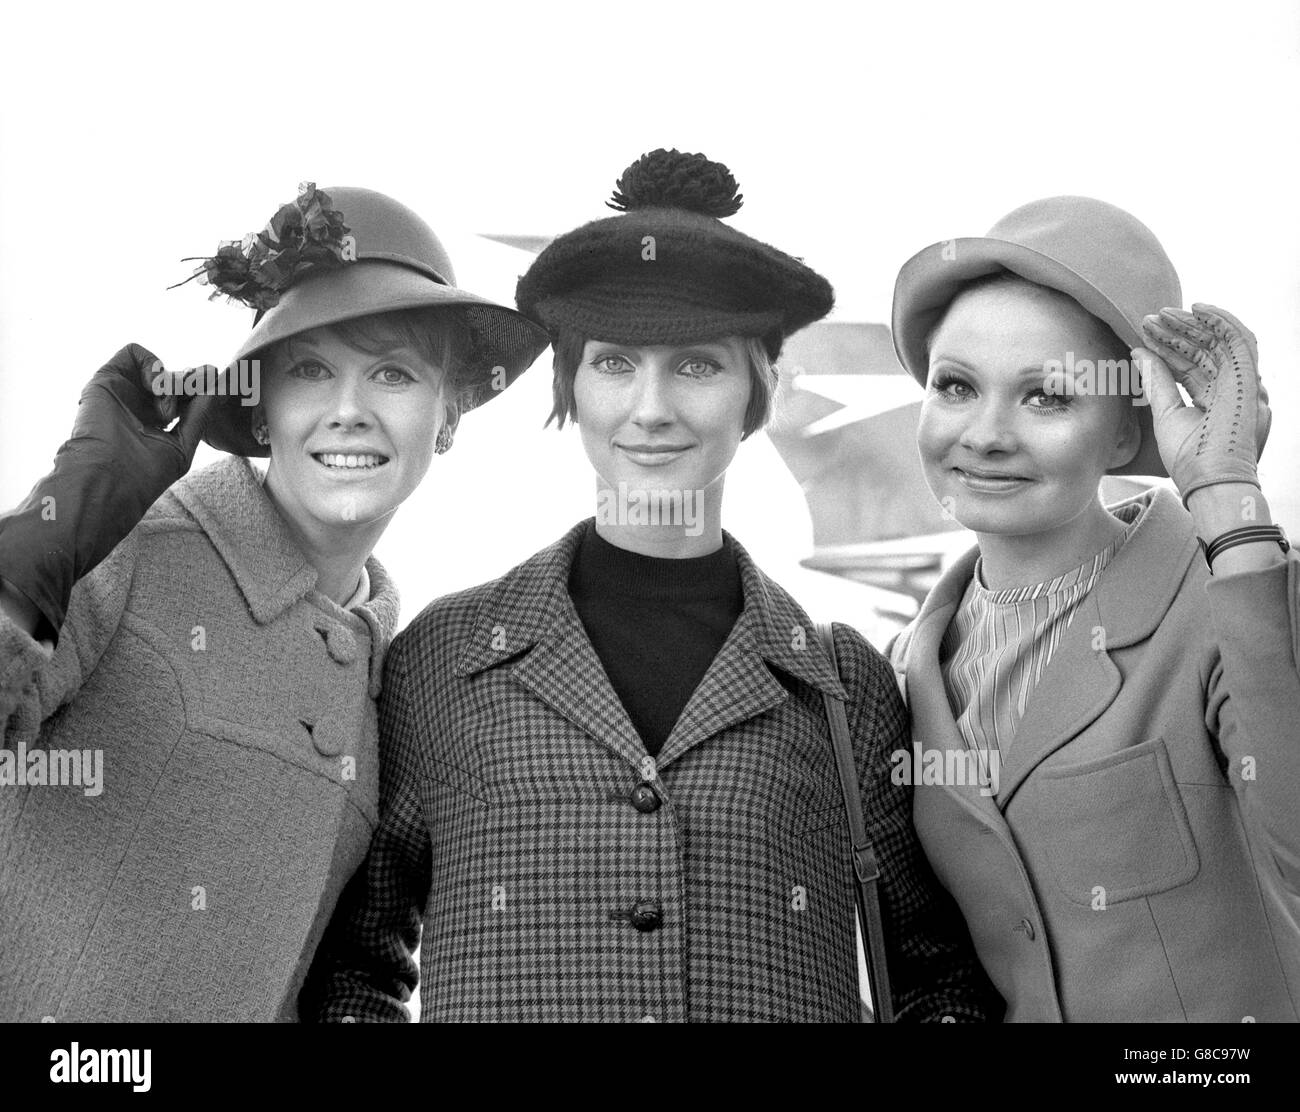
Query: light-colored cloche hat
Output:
(668,270)
(1097,254)
(342,253)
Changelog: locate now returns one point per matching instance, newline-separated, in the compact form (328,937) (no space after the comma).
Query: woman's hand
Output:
(123,416)
(1218,438)
(120,458)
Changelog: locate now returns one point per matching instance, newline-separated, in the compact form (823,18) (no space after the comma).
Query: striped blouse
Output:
(999,643)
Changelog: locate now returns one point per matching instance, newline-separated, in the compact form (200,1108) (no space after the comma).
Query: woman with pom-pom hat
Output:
(613,793)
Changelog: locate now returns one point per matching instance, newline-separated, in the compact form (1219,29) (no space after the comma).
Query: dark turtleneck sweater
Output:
(656,624)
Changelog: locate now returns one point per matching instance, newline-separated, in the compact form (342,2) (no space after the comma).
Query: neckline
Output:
(611,571)
(1084,575)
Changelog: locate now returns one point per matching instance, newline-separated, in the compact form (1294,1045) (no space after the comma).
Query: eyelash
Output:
(713,366)
(942,381)
(298,367)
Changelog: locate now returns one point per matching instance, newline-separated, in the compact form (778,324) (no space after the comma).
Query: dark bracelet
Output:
(1248,534)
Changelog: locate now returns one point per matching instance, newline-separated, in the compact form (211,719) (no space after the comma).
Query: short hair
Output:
(569,344)
(441,337)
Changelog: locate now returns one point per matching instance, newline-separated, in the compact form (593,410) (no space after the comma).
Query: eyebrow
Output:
(711,347)
(1024,372)
(296,349)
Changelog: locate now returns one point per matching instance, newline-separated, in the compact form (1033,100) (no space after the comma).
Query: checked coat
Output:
(510,830)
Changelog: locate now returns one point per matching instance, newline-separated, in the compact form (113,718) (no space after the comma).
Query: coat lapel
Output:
(738,685)
(565,673)
(530,616)
(228,500)
(1124,607)
(1077,686)
(1081,681)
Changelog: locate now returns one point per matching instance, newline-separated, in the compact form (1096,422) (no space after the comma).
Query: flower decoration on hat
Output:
(308,234)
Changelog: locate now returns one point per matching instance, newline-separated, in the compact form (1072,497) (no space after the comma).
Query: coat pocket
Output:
(1116,828)
(819,812)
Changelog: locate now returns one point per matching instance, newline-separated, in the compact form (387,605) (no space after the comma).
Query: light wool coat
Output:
(1141,858)
(234,708)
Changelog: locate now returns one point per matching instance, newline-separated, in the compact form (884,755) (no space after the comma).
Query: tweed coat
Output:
(509,829)
(1140,860)
(234,708)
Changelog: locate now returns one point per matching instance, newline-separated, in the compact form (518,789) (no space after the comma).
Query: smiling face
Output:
(667,417)
(1013,458)
(352,433)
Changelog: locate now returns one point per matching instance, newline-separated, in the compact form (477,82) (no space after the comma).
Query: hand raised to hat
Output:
(120,458)
(1214,357)
(127,406)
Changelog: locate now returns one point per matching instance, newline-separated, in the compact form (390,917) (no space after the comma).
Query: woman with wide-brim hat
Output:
(1130,693)
(189,775)
(613,794)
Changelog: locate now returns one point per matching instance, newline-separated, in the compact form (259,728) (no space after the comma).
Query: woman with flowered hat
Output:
(188,668)
(612,790)
(1125,674)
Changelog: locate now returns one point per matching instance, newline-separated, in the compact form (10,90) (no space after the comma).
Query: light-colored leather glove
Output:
(1214,357)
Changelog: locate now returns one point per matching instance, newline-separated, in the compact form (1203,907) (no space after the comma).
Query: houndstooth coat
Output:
(560,873)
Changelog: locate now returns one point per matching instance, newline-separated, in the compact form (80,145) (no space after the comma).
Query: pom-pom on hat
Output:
(667,269)
(344,253)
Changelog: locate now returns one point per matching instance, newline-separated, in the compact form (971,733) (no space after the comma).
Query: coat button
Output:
(339,642)
(1026,927)
(647,916)
(644,798)
(341,645)
(329,739)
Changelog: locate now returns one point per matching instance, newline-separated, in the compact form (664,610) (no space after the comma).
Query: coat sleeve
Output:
(934,973)
(36,681)
(1253,703)
(365,968)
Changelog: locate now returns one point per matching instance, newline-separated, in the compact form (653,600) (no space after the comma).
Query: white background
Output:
(134,134)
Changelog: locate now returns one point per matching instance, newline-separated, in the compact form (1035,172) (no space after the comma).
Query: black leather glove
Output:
(116,465)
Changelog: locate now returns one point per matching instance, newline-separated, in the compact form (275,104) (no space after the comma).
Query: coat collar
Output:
(228,501)
(1124,607)
(529,608)
(1163,538)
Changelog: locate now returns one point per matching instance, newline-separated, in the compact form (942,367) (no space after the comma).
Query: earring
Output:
(261,434)
(443,442)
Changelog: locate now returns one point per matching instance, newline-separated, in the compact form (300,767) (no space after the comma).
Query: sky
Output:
(135,134)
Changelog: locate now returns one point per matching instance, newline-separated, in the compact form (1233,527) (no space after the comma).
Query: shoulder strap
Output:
(865,867)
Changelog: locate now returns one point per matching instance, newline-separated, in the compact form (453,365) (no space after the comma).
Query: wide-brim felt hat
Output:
(398,263)
(668,270)
(1105,259)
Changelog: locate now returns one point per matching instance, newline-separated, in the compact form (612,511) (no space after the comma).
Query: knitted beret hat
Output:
(668,270)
